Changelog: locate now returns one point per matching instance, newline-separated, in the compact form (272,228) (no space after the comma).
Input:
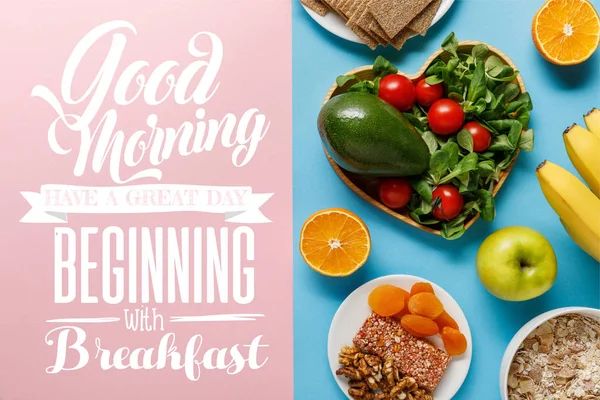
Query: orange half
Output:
(335,242)
(566,32)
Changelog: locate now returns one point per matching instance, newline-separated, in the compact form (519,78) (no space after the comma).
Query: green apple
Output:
(516,264)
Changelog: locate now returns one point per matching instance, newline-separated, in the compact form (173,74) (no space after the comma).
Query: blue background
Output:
(561,95)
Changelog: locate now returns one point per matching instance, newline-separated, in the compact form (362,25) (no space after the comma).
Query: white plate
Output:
(355,309)
(336,24)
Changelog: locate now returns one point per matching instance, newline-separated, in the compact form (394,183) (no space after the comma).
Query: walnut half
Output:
(371,378)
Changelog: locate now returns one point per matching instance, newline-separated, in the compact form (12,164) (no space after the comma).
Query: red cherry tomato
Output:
(445,117)
(482,138)
(398,90)
(451,202)
(427,94)
(395,193)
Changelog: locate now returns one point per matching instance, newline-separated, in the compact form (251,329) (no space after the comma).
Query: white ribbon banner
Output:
(54,202)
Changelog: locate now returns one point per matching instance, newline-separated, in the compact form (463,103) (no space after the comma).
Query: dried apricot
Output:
(404,310)
(426,305)
(446,320)
(454,341)
(386,300)
(421,287)
(419,326)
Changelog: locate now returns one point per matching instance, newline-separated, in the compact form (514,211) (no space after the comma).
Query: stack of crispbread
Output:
(381,22)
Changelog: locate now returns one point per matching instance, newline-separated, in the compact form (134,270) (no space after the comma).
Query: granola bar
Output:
(413,357)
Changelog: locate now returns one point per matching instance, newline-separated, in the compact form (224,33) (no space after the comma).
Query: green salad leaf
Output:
(450,44)
(343,79)
(423,188)
(465,140)
(363,87)
(431,141)
(480,52)
(486,205)
(477,87)
(382,67)
(434,80)
(526,140)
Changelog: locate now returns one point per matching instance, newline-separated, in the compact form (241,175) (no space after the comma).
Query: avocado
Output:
(366,135)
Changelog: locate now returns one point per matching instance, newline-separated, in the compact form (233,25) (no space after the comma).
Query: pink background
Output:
(256,72)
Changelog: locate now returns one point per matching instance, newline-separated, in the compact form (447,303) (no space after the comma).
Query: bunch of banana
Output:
(577,206)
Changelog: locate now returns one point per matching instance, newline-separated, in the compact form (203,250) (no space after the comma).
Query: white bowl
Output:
(526,330)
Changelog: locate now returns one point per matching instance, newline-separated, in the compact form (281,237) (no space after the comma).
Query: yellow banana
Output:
(584,239)
(583,148)
(592,121)
(572,201)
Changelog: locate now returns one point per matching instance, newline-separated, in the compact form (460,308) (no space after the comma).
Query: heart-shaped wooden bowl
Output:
(366,187)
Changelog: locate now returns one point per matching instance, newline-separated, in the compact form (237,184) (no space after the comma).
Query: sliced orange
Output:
(566,32)
(335,242)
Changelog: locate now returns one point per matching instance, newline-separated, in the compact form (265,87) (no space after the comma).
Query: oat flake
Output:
(560,360)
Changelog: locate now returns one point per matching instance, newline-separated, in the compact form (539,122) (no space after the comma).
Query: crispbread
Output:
(317,6)
(331,4)
(359,7)
(401,38)
(365,19)
(364,22)
(345,8)
(376,28)
(381,21)
(422,22)
(365,37)
(359,10)
(395,15)
(340,6)
(360,31)
(352,7)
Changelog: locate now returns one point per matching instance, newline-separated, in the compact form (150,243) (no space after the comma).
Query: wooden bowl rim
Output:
(402,217)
